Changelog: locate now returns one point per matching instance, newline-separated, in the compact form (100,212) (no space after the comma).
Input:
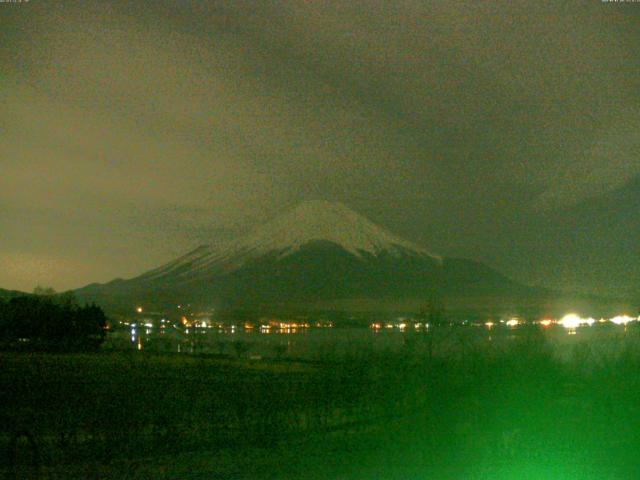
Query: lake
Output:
(322,343)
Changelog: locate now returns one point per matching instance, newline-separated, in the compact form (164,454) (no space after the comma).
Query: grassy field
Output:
(497,413)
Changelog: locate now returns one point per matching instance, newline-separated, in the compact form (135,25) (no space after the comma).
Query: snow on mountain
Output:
(322,220)
(308,222)
(318,252)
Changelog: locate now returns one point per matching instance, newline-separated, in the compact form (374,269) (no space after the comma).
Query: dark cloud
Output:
(134,130)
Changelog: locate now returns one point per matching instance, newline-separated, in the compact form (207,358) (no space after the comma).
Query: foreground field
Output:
(517,411)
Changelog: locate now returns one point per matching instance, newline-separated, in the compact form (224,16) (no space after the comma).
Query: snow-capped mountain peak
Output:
(311,221)
(318,255)
(329,221)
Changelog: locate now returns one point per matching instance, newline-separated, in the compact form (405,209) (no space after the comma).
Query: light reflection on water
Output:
(339,342)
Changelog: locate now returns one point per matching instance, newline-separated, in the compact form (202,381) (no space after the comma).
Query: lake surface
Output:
(335,343)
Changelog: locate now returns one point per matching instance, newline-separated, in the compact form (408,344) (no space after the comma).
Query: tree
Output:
(44,291)
(51,322)
(433,314)
(433,311)
(241,348)
(91,325)
(279,350)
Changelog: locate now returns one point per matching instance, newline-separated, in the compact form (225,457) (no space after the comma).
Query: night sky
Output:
(503,131)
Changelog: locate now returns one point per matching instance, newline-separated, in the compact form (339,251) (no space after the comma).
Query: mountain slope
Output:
(9,294)
(309,222)
(318,252)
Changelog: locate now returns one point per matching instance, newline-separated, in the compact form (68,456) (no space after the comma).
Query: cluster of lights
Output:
(570,321)
(622,319)
(573,321)
(288,325)
(324,324)
(402,326)
(512,322)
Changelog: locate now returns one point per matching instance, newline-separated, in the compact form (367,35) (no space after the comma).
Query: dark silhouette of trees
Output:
(51,322)
(44,291)
(433,313)
(241,348)
(279,350)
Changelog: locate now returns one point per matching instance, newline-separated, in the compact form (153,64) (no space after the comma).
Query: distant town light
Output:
(546,322)
(570,321)
(512,322)
(622,319)
(139,309)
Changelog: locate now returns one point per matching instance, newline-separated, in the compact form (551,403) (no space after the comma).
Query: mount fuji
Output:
(319,252)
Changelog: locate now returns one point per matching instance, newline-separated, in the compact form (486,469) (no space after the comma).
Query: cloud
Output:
(607,162)
(171,124)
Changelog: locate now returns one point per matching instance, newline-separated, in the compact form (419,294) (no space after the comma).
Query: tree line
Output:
(47,321)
